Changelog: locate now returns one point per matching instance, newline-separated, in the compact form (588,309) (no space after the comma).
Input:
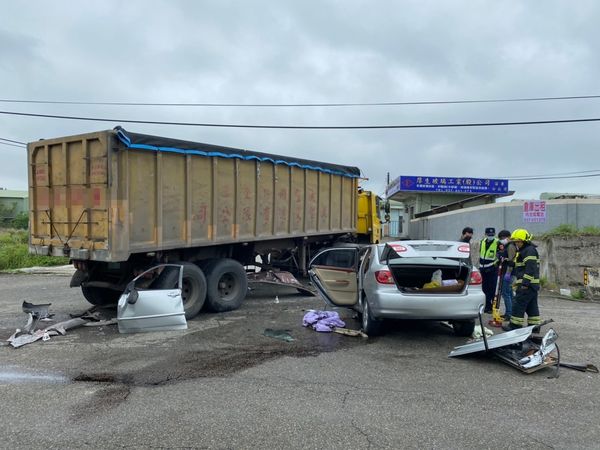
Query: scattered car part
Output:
(39,311)
(348,332)
(279,278)
(580,367)
(282,335)
(141,310)
(516,348)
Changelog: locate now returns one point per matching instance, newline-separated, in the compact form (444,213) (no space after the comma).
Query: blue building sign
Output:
(455,185)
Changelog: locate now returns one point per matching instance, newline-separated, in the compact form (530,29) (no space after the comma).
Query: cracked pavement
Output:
(223,384)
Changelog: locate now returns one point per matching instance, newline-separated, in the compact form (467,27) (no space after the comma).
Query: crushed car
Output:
(418,279)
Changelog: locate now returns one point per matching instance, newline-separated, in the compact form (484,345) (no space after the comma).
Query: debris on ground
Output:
(518,348)
(279,278)
(323,321)
(145,310)
(40,311)
(36,313)
(580,367)
(477,334)
(348,332)
(282,335)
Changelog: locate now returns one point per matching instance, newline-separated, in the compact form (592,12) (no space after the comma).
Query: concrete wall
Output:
(562,259)
(578,212)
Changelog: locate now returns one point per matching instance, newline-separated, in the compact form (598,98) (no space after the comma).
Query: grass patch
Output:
(568,230)
(578,294)
(14,252)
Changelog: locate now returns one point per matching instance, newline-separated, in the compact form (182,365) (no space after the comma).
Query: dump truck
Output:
(117,203)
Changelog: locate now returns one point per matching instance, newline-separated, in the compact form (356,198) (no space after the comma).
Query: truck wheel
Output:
(227,285)
(100,296)
(463,328)
(193,291)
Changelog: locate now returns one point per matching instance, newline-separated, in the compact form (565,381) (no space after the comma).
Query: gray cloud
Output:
(325,51)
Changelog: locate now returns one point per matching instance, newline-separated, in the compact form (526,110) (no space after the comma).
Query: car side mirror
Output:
(133,296)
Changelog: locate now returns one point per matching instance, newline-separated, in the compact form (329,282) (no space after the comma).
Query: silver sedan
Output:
(430,280)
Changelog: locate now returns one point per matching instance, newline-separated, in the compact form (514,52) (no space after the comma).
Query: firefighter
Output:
(527,273)
(488,266)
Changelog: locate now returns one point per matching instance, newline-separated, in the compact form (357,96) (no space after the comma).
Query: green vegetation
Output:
(568,230)
(20,222)
(14,252)
(578,294)
(10,220)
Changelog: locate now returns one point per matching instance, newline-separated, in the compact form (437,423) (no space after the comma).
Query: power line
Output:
(14,142)
(559,177)
(299,105)
(303,127)
(517,177)
(13,145)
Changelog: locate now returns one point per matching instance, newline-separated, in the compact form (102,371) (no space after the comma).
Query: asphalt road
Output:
(223,384)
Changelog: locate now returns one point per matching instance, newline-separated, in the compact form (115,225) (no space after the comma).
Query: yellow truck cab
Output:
(368,225)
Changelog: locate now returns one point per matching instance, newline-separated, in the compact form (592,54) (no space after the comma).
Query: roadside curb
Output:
(67,270)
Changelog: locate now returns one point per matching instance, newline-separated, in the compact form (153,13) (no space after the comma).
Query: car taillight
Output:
(398,248)
(475,277)
(384,277)
(464,248)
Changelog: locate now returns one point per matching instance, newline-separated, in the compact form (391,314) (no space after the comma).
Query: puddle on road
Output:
(19,376)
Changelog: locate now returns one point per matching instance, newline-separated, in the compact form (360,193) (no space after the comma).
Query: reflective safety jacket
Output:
(527,267)
(488,253)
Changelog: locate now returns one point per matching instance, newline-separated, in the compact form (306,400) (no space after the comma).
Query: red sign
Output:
(534,211)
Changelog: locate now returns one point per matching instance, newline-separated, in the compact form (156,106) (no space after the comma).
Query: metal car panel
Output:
(496,341)
(151,310)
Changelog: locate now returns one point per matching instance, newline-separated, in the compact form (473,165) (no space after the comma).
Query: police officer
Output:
(527,273)
(488,259)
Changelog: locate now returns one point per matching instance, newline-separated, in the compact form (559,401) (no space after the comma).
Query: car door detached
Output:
(333,272)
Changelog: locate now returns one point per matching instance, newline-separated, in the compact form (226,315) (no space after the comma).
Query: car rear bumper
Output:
(395,305)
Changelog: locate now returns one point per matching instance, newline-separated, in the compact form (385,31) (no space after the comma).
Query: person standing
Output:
(488,266)
(506,256)
(527,273)
(467,234)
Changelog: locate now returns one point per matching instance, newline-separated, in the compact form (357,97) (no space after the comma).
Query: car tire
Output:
(227,285)
(463,328)
(370,325)
(193,291)
(100,296)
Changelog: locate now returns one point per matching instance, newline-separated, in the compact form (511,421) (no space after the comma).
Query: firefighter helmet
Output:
(520,235)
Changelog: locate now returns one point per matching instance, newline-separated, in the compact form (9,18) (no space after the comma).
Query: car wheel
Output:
(370,325)
(100,296)
(463,328)
(193,291)
(227,285)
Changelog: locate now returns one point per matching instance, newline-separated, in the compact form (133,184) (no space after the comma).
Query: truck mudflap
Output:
(279,278)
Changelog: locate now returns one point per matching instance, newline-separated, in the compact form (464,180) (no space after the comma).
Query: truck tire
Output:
(227,285)
(100,296)
(463,328)
(193,292)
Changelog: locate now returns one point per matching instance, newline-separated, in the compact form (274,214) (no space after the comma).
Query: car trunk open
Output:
(412,274)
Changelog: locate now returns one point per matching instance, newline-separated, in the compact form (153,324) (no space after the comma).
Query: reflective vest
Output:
(527,267)
(488,253)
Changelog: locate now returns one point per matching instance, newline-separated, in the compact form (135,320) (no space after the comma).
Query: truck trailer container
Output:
(117,203)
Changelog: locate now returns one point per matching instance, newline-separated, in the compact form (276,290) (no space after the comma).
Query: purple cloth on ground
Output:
(323,321)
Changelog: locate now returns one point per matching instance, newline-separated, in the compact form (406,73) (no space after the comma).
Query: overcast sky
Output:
(319,52)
